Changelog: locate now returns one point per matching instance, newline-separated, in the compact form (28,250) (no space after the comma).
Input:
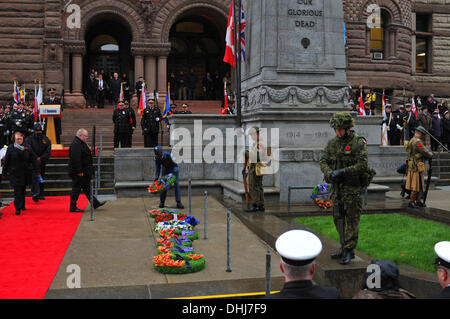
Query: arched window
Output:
(379,36)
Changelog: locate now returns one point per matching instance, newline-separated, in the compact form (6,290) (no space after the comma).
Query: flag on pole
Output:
(384,137)
(229,38)
(142,101)
(121,96)
(362,111)
(22,95)
(243,25)
(38,97)
(167,107)
(413,107)
(16,93)
(225,103)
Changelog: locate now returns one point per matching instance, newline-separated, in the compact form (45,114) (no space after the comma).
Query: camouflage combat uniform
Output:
(255,182)
(349,153)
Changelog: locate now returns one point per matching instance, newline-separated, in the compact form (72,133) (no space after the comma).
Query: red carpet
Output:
(33,245)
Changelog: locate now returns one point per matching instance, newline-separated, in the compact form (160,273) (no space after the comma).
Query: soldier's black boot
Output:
(346,256)
(252,209)
(261,208)
(413,204)
(338,254)
(179,205)
(161,204)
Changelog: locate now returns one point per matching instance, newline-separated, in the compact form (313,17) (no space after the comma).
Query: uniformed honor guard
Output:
(165,164)
(18,120)
(41,146)
(53,100)
(185,109)
(442,262)
(298,250)
(150,123)
(391,126)
(344,164)
(173,109)
(132,122)
(257,158)
(417,154)
(122,126)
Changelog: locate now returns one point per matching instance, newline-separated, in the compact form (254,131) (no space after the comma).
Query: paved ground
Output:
(116,250)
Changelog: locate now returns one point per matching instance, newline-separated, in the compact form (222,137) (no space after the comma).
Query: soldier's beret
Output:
(298,247)
(442,250)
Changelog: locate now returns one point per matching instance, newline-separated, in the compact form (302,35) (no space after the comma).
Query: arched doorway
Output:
(108,48)
(197,45)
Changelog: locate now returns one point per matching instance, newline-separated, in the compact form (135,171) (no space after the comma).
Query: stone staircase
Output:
(59,183)
(441,168)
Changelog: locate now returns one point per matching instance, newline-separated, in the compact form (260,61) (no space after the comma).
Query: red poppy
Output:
(419,145)
(347,148)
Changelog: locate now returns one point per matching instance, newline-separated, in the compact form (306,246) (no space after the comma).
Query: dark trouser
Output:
(58,129)
(101,99)
(190,93)
(352,211)
(81,183)
(162,196)
(122,139)
(91,99)
(255,187)
(37,189)
(19,197)
(150,139)
(434,144)
(394,138)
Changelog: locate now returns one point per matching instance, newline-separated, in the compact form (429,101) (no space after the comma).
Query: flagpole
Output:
(236,58)
(239,59)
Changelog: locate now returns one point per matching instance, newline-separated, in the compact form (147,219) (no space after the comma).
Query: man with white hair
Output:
(298,250)
(81,169)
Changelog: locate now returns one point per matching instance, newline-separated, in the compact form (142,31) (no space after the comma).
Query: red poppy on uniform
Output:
(347,148)
(419,145)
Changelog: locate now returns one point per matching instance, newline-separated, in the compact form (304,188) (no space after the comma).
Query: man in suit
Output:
(442,262)
(101,88)
(91,92)
(53,100)
(298,250)
(114,87)
(81,169)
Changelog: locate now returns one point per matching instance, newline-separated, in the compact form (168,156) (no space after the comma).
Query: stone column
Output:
(77,73)
(138,71)
(150,72)
(162,74)
(67,72)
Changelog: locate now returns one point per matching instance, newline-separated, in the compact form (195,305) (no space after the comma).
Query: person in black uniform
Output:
(53,100)
(442,262)
(185,109)
(114,87)
(19,165)
(81,169)
(41,146)
(91,92)
(18,120)
(122,119)
(150,123)
(298,250)
(392,132)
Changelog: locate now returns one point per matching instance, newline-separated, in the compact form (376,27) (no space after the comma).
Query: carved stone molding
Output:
(148,48)
(75,47)
(293,95)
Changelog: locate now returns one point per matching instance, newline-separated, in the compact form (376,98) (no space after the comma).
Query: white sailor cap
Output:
(442,250)
(298,247)
(367,103)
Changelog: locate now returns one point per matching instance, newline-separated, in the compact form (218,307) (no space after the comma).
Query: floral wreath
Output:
(321,196)
(164,183)
(175,252)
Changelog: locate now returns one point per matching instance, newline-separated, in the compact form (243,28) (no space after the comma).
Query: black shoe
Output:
(100,204)
(420,204)
(261,208)
(18,212)
(413,205)
(338,254)
(76,210)
(35,199)
(179,205)
(346,256)
(161,205)
(41,198)
(252,209)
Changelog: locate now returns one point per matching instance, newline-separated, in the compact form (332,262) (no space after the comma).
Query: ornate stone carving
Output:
(149,10)
(292,95)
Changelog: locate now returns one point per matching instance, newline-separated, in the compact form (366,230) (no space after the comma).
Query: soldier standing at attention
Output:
(417,154)
(150,124)
(53,100)
(132,122)
(343,163)
(256,155)
(122,126)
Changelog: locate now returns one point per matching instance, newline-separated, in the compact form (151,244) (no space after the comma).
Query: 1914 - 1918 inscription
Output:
(305,11)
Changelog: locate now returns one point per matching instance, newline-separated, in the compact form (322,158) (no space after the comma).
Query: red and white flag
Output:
(362,111)
(229,39)
(413,107)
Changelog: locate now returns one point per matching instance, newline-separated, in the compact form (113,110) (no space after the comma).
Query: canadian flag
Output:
(229,39)
(362,111)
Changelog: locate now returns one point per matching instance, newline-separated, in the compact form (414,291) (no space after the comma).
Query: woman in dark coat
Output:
(20,163)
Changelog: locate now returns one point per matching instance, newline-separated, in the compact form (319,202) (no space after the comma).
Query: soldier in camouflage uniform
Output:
(343,163)
(417,154)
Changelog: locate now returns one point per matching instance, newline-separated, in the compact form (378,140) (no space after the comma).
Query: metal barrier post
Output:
(205,223)
(228,240)
(268,266)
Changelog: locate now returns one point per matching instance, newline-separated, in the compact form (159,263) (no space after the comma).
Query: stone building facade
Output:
(38,43)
